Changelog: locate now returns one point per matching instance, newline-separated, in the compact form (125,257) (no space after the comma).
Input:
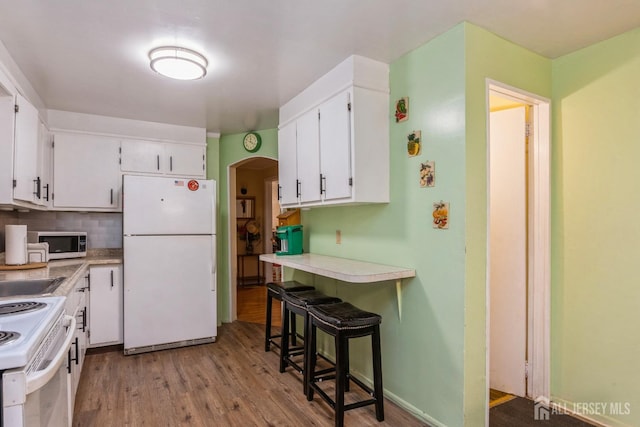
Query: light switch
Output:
(338,237)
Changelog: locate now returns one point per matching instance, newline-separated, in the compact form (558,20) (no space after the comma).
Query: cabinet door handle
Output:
(111,278)
(77,352)
(158,162)
(298,187)
(84,319)
(71,359)
(46,197)
(279,196)
(38,191)
(111,196)
(323,184)
(171,163)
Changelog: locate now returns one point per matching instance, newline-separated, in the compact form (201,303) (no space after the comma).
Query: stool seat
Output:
(304,299)
(344,316)
(290,286)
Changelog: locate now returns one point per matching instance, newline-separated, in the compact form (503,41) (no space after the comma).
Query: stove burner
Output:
(20,307)
(7,336)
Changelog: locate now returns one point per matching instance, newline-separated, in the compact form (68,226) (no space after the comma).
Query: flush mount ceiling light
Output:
(178,63)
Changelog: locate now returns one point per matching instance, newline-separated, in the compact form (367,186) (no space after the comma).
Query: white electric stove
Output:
(35,337)
(23,325)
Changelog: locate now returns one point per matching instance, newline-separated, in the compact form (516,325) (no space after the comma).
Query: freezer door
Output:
(169,289)
(159,205)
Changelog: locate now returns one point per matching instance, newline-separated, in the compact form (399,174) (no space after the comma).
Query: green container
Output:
(290,239)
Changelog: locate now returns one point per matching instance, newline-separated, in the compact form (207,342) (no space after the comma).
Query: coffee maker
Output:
(290,237)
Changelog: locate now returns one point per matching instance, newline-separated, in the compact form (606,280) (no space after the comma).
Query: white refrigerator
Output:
(169,242)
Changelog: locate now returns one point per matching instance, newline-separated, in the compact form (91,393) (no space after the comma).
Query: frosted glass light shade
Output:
(178,63)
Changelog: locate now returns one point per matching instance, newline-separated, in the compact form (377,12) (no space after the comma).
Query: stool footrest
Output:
(359,404)
(332,403)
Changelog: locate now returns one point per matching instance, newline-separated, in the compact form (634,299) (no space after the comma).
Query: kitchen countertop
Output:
(72,269)
(346,270)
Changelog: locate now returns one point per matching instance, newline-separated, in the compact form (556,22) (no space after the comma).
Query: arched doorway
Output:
(253,208)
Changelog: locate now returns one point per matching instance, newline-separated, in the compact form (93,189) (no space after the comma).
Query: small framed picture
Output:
(414,142)
(441,215)
(402,110)
(428,174)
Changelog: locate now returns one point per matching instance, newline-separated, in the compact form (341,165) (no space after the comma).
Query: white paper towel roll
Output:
(15,243)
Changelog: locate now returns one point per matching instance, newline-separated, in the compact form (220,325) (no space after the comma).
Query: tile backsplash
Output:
(104,229)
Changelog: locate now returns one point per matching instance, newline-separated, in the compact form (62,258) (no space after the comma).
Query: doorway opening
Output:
(518,262)
(252,205)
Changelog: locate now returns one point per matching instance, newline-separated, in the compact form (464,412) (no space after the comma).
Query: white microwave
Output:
(62,244)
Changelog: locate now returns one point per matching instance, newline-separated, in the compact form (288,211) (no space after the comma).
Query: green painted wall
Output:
(422,354)
(487,56)
(434,358)
(596,232)
(231,151)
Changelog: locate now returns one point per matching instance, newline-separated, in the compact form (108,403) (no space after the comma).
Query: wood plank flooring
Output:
(232,382)
(251,305)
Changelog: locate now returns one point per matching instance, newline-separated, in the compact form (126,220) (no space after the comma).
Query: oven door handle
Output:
(41,378)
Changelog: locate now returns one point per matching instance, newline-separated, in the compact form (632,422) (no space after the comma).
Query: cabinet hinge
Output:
(351,181)
(15,183)
(52,195)
(526,369)
(349,106)
(527,130)
(318,115)
(16,108)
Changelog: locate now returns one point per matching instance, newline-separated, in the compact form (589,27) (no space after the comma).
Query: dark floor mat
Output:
(525,413)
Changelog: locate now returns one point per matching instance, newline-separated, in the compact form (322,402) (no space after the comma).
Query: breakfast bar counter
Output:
(346,270)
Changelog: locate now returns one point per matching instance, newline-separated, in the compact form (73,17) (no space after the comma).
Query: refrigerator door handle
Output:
(213,263)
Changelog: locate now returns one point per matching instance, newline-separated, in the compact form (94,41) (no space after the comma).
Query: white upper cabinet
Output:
(308,157)
(336,133)
(287,168)
(186,160)
(163,158)
(45,164)
(27,185)
(335,150)
(86,172)
(141,156)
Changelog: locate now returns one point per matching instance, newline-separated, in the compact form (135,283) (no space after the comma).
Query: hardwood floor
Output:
(252,302)
(232,382)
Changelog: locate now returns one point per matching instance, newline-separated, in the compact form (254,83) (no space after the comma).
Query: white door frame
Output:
(539,249)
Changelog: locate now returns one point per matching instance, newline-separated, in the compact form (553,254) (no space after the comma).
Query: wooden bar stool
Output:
(343,321)
(298,303)
(275,290)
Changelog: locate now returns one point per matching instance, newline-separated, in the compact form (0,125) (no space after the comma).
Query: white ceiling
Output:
(91,56)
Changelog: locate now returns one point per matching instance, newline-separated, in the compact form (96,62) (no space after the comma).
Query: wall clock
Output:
(252,142)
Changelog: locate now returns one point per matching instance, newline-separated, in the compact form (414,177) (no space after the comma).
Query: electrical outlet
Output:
(338,237)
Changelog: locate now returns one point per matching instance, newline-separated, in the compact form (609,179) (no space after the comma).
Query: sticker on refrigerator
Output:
(193,185)
(178,183)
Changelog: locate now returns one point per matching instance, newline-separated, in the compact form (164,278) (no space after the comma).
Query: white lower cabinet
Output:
(106,306)
(76,305)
